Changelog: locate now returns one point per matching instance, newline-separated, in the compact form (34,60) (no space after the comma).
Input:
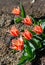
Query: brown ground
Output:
(6,6)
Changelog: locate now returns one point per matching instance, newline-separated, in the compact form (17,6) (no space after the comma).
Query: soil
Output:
(7,57)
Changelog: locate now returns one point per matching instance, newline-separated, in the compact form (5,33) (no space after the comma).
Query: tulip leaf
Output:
(42,21)
(32,32)
(30,45)
(23,60)
(23,14)
(36,43)
(37,37)
(17,20)
(43,25)
(28,54)
(44,43)
(34,20)
(43,36)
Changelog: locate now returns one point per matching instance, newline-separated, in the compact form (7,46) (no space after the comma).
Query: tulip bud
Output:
(38,30)
(18,44)
(27,35)
(14,31)
(16,11)
(27,21)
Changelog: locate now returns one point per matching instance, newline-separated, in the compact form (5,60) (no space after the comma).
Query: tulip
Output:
(27,35)
(16,11)
(38,30)
(14,31)
(17,44)
(27,21)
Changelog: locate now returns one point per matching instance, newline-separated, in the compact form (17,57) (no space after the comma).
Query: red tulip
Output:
(18,44)
(38,30)
(27,21)
(27,35)
(16,11)
(14,31)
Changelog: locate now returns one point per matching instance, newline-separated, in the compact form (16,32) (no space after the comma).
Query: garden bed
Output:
(7,57)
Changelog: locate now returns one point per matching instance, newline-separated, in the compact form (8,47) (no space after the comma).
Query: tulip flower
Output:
(27,35)
(38,30)
(18,44)
(16,11)
(27,21)
(14,31)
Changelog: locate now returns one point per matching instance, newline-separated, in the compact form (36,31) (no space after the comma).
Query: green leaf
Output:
(37,37)
(30,45)
(34,20)
(36,43)
(28,54)
(29,50)
(44,43)
(43,36)
(23,60)
(32,32)
(23,14)
(39,22)
(43,25)
(17,20)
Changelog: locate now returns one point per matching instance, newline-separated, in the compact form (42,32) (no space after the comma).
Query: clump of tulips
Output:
(29,41)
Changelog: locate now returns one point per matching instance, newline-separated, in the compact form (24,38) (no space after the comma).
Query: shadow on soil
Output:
(40,54)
